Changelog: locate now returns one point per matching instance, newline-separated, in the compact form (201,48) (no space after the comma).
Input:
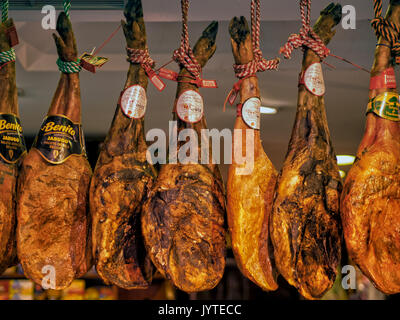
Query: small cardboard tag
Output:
(90,62)
(168,74)
(232,96)
(12,36)
(208,84)
(157,82)
(154,78)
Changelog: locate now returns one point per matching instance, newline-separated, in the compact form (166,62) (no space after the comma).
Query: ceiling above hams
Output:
(169,10)
(78,4)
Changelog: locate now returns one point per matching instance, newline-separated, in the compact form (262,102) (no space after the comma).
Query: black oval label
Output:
(59,138)
(12,142)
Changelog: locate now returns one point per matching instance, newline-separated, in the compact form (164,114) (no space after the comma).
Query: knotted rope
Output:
(6,57)
(140,56)
(4,10)
(184,54)
(69,66)
(386,29)
(306,37)
(259,63)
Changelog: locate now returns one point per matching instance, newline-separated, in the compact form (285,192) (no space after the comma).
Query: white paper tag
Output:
(251,112)
(189,106)
(134,101)
(314,79)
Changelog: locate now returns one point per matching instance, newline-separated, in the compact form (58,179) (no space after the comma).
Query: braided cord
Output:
(7,56)
(386,29)
(4,10)
(184,54)
(69,66)
(67,7)
(307,38)
(140,56)
(259,63)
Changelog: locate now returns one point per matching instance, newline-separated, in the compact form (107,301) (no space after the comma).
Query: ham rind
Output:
(8,171)
(305,221)
(121,182)
(370,202)
(53,231)
(250,194)
(183,218)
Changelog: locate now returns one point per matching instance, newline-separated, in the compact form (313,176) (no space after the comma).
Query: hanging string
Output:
(306,37)
(107,40)
(67,7)
(4,10)
(184,54)
(259,63)
(386,29)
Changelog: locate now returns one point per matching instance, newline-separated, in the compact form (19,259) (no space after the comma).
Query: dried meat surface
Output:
(305,222)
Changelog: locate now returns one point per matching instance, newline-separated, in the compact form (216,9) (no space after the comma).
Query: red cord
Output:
(184,54)
(306,37)
(258,63)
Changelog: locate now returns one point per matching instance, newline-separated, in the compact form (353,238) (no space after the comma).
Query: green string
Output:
(69,66)
(67,7)
(4,11)
(7,56)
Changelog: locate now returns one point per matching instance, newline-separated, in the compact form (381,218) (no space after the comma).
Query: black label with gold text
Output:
(59,138)
(12,142)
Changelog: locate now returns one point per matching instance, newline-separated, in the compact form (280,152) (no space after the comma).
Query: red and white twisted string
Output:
(259,63)
(184,54)
(140,56)
(307,37)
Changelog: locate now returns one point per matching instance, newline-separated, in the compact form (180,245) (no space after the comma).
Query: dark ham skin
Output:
(53,221)
(250,196)
(183,218)
(8,172)
(370,202)
(305,221)
(121,181)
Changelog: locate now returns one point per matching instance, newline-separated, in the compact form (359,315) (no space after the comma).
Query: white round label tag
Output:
(189,106)
(134,101)
(251,112)
(314,79)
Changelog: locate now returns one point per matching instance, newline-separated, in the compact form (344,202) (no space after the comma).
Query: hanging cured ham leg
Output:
(12,148)
(250,194)
(305,228)
(123,176)
(183,219)
(370,203)
(53,225)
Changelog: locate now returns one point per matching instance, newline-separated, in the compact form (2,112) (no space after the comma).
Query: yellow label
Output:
(385,105)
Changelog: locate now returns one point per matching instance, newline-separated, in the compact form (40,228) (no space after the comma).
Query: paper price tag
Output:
(314,79)
(133,102)
(189,106)
(251,112)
